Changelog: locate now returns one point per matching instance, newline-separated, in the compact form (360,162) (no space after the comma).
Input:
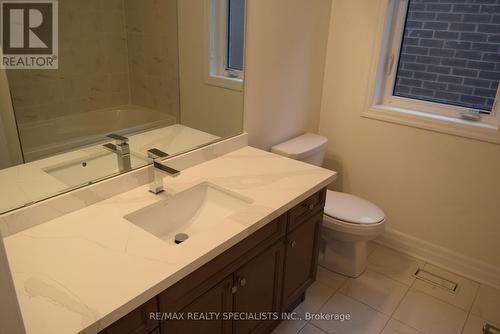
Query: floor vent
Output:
(436,280)
(489,329)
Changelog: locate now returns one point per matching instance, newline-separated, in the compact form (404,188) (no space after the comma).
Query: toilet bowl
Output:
(349,221)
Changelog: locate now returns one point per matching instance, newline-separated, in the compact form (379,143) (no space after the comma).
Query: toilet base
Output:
(346,258)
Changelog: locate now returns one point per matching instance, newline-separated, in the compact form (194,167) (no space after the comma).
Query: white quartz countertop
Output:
(81,272)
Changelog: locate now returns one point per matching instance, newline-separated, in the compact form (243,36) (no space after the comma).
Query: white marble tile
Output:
(487,304)
(316,296)
(463,297)
(475,324)
(430,315)
(396,327)
(329,278)
(375,290)
(310,329)
(393,264)
(363,319)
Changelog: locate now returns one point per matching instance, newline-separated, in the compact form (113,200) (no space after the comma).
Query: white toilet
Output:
(349,221)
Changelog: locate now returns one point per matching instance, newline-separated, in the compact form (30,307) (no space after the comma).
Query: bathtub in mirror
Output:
(165,74)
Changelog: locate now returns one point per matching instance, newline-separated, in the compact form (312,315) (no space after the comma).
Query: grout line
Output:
(470,309)
(321,329)
(361,302)
(399,304)
(373,250)
(475,297)
(385,275)
(465,323)
(301,327)
(371,307)
(327,300)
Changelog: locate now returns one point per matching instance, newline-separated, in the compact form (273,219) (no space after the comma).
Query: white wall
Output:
(212,109)
(436,187)
(285,54)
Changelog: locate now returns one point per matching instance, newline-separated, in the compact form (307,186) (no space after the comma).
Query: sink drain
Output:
(181,237)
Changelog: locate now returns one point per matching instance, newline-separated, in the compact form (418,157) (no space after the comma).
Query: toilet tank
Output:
(309,147)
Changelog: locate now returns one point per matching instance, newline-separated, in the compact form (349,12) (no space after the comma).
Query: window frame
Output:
(383,105)
(216,47)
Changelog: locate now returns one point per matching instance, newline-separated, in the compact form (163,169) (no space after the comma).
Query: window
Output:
(235,35)
(440,61)
(225,43)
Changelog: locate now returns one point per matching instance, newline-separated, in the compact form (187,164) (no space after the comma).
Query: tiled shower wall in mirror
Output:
(114,55)
(153,54)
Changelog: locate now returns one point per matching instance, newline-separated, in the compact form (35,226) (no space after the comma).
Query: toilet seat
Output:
(351,231)
(352,210)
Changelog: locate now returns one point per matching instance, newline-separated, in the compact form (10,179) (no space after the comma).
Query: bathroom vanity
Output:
(266,272)
(253,220)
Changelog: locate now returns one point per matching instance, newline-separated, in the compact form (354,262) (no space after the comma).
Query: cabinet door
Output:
(217,300)
(259,290)
(301,259)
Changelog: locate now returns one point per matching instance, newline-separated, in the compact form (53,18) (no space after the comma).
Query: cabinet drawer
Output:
(306,209)
(136,322)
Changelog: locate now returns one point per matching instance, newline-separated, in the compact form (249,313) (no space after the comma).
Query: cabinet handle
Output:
(234,289)
(293,243)
(242,282)
(311,207)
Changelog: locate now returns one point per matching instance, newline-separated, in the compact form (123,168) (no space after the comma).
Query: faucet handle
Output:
(120,139)
(110,147)
(155,153)
(165,169)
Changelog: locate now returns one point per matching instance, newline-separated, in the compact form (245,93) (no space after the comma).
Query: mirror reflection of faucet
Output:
(122,151)
(158,169)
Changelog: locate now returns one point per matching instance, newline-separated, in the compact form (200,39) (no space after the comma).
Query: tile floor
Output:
(388,299)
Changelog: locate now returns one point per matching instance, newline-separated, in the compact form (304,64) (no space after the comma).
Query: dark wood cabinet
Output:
(264,274)
(305,210)
(259,291)
(301,259)
(210,305)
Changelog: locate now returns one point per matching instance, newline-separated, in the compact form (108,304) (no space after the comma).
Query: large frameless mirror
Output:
(121,77)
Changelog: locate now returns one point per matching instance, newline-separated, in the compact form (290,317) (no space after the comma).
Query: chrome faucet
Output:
(158,170)
(122,151)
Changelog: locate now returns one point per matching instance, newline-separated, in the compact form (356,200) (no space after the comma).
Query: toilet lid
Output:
(352,209)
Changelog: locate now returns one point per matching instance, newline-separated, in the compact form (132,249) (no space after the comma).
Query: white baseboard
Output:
(442,257)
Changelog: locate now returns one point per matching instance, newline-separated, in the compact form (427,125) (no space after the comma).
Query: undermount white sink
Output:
(191,211)
(90,168)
